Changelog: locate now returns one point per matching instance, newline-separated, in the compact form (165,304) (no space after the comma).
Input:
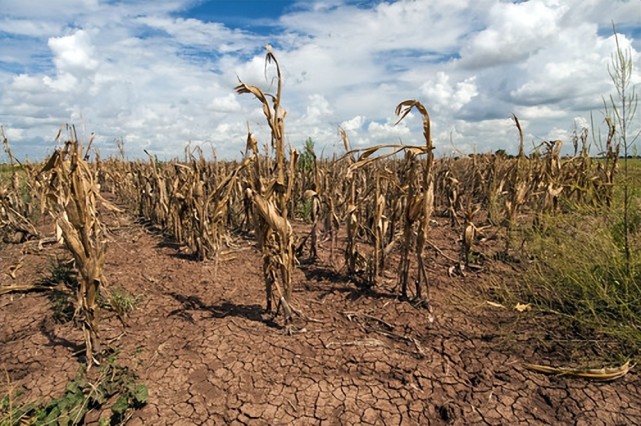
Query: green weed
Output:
(82,395)
(119,301)
(580,271)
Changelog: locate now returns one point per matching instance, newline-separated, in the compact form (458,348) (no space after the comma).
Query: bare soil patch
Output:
(199,339)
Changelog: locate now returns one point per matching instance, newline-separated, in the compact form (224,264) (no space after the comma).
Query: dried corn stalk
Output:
(470,231)
(72,195)
(268,197)
(417,204)
(420,208)
(519,178)
(16,200)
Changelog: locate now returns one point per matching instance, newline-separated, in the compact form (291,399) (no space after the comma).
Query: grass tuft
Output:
(120,301)
(580,271)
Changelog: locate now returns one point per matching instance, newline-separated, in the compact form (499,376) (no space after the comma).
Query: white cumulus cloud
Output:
(153,75)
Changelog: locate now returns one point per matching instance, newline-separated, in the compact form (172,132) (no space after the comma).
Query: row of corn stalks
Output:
(380,199)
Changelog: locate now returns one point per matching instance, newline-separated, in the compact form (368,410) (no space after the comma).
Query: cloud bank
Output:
(154,76)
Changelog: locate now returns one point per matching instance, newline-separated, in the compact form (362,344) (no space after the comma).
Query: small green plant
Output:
(306,166)
(82,395)
(120,301)
(304,210)
(307,157)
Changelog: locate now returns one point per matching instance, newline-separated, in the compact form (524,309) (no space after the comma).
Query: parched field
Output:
(200,342)
(483,289)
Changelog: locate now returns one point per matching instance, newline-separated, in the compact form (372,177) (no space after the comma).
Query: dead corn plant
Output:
(518,178)
(214,210)
(450,189)
(354,260)
(334,199)
(494,177)
(368,184)
(313,198)
(608,168)
(420,206)
(418,201)
(205,196)
(268,196)
(16,199)
(580,169)
(470,232)
(410,186)
(548,181)
(381,222)
(72,196)
(307,189)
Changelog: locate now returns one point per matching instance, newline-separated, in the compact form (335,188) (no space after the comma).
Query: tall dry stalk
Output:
(518,178)
(421,207)
(71,198)
(353,259)
(419,203)
(269,197)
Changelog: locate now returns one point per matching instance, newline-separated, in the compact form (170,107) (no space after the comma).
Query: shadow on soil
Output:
(177,248)
(225,309)
(47,329)
(318,277)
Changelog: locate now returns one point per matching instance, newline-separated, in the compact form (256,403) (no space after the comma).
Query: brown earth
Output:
(198,338)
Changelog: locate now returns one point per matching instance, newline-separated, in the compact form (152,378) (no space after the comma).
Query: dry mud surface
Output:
(198,338)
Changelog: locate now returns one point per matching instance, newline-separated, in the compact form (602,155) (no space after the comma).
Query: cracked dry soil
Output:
(199,340)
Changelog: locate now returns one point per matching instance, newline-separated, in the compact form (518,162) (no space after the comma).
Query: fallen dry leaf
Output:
(522,307)
(601,374)
(11,270)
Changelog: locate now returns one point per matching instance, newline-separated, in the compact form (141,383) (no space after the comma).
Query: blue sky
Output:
(159,74)
(251,15)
